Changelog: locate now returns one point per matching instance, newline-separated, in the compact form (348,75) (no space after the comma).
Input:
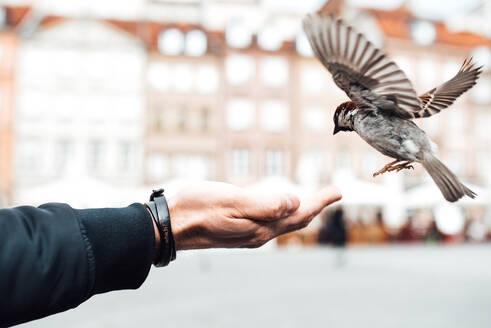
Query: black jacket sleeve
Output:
(54,257)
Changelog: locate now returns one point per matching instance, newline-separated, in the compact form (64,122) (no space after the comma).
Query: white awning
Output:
(358,192)
(80,192)
(428,195)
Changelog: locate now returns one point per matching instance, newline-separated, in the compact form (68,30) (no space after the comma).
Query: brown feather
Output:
(445,95)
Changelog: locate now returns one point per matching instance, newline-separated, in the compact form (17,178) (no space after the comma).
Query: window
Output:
(423,32)
(183,78)
(270,38)
(427,70)
(303,45)
(207,79)
(179,1)
(457,119)
(171,42)
(196,43)
(158,167)
(431,125)
(30,155)
(455,162)
(483,160)
(275,162)
(3,17)
(64,107)
(482,55)
(274,71)
(125,156)
(343,159)
(310,166)
(33,105)
(480,93)
(65,58)
(62,151)
(238,36)
(370,162)
(96,107)
(405,65)
(159,121)
(240,162)
(274,116)
(482,123)
(240,114)
(450,68)
(190,166)
(315,118)
(159,76)
(181,117)
(205,119)
(313,79)
(239,69)
(94,156)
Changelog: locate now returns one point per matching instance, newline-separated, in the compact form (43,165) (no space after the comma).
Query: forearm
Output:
(53,258)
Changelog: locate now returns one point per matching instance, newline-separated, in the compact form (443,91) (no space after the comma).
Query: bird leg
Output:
(386,168)
(392,167)
(400,167)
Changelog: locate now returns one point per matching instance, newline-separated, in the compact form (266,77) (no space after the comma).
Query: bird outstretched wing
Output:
(365,73)
(444,95)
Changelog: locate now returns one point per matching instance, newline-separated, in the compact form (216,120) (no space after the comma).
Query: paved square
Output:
(389,286)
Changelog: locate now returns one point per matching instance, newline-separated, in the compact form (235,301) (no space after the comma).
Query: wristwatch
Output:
(160,214)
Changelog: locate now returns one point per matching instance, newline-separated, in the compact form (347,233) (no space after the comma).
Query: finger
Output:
(307,211)
(260,206)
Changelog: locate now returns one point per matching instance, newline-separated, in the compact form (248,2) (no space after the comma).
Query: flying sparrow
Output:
(383,101)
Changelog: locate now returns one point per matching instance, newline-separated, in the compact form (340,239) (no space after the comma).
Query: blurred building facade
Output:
(79,102)
(275,102)
(221,90)
(271,113)
(184,105)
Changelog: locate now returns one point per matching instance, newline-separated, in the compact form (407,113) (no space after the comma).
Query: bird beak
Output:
(336,130)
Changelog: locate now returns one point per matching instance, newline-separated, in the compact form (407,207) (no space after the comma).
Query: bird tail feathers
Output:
(450,186)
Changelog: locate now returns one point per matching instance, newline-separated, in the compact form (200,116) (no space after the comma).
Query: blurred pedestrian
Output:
(432,234)
(333,230)
(375,230)
(406,233)
(475,231)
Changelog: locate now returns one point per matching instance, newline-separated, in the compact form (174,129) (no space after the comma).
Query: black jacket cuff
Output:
(120,246)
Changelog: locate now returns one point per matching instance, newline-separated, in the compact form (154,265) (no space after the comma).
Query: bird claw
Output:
(381,172)
(400,168)
(391,167)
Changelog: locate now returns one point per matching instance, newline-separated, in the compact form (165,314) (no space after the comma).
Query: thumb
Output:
(260,206)
(309,209)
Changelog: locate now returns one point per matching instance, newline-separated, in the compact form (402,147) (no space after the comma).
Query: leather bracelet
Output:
(160,214)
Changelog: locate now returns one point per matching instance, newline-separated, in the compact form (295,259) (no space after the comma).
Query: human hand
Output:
(219,215)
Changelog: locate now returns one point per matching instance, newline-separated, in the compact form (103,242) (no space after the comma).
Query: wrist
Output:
(158,208)
(178,230)
(157,238)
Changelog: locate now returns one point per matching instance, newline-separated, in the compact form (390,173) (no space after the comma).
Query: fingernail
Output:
(290,203)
